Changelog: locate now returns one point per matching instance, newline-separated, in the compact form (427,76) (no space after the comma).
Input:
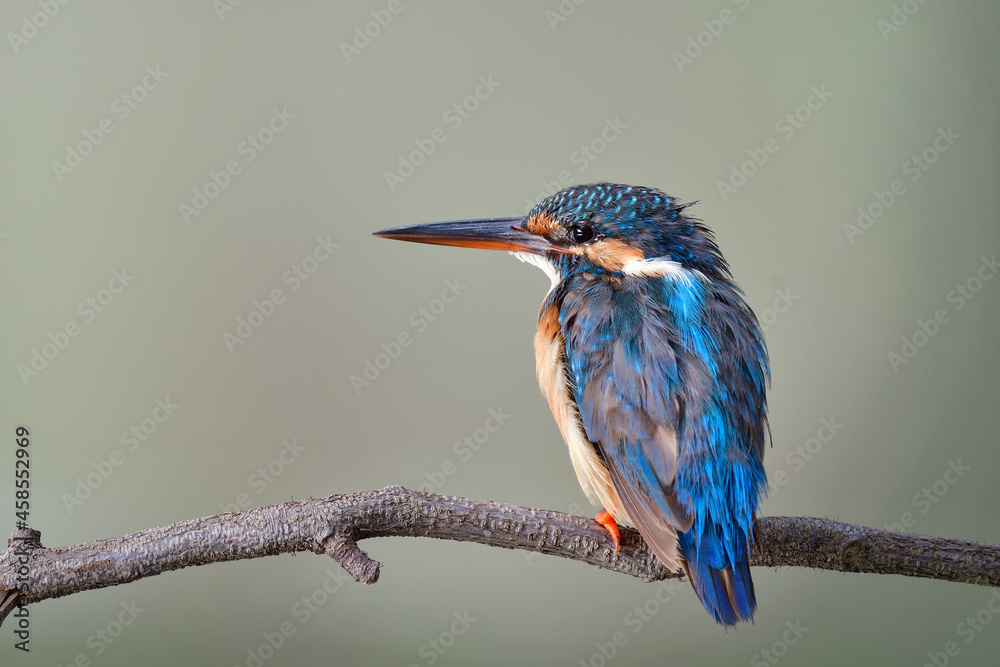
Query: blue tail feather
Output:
(720,577)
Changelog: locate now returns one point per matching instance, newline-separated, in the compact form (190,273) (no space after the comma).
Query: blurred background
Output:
(196,318)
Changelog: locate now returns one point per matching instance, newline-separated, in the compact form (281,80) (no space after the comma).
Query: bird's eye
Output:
(582,233)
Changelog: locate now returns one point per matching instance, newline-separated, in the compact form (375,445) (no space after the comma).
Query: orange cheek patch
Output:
(542,225)
(611,254)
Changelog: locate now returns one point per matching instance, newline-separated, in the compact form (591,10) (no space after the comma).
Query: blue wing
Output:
(669,379)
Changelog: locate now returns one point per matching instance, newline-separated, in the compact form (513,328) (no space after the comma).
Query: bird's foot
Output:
(605,519)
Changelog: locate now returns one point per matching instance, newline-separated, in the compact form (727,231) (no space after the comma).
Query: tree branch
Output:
(336,524)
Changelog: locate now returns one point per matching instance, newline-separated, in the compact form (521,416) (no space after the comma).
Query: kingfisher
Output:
(655,369)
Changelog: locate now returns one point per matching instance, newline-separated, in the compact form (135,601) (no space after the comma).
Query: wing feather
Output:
(623,372)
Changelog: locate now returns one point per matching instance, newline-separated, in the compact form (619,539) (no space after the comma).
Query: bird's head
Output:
(599,228)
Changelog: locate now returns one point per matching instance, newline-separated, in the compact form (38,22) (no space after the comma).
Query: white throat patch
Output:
(542,262)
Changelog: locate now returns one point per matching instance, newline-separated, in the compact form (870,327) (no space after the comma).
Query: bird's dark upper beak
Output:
(492,234)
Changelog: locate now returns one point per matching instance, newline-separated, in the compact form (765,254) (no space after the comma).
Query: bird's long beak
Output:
(492,234)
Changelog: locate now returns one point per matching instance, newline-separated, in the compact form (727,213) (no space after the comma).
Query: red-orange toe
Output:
(605,519)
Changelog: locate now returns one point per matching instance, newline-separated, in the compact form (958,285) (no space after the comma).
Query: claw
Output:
(605,519)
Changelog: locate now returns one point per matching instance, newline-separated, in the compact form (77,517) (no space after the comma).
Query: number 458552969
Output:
(22,474)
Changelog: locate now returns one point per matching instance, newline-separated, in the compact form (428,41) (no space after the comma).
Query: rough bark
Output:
(333,526)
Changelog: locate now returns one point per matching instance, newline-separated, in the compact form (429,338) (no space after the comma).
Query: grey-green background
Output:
(836,304)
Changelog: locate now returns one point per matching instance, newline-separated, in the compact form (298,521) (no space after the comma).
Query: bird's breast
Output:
(550,366)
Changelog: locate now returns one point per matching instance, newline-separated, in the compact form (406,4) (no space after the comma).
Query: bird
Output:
(655,369)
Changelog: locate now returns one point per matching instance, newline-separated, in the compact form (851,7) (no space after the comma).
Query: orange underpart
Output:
(605,519)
